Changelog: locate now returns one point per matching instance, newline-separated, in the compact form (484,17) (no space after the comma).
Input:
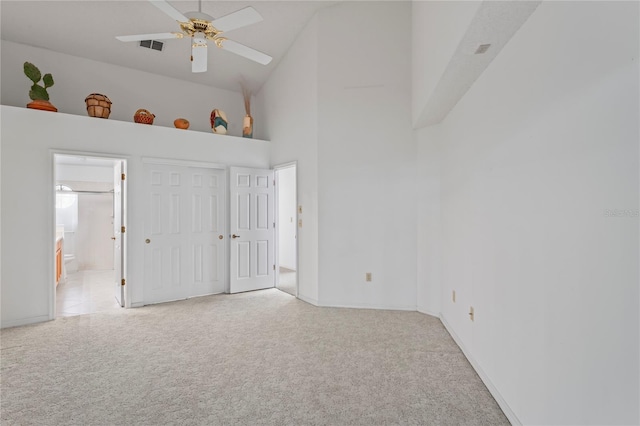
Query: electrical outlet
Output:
(453,296)
(367,276)
(471,313)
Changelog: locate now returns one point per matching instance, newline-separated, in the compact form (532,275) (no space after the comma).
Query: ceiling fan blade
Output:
(247,52)
(169,10)
(157,36)
(199,53)
(237,19)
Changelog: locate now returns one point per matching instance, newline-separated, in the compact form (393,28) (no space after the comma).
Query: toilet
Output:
(70,262)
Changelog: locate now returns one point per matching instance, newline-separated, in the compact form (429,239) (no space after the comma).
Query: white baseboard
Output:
(314,302)
(329,304)
(511,416)
(25,321)
(428,312)
(137,304)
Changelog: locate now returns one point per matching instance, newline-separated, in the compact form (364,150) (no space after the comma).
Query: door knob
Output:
(147,241)
(220,237)
(235,236)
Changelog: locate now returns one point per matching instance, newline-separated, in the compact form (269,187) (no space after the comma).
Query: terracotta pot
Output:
(181,123)
(143,116)
(42,105)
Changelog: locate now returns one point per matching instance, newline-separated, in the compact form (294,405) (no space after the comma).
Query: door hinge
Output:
(274,267)
(274,182)
(124,281)
(123,229)
(274,224)
(123,176)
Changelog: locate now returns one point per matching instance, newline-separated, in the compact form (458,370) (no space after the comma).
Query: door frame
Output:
(276,169)
(51,207)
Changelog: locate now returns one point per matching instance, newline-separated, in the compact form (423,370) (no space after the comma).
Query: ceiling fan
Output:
(201,27)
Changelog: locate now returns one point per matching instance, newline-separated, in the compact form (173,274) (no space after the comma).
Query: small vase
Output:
(42,105)
(247,126)
(219,122)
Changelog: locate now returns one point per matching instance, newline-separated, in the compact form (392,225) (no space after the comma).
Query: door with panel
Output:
(252,260)
(184,254)
(207,242)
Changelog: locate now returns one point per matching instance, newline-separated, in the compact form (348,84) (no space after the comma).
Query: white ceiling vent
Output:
(482,48)
(152,44)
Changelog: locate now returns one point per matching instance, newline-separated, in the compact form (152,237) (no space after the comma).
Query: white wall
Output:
(289,101)
(287,223)
(28,138)
(429,223)
(325,106)
(83,174)
(437,29)
(366,156)
(533,158)
(91,242)
(94,247)
(128,89)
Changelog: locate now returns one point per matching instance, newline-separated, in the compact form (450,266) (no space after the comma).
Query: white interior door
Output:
(207,231)
(252,229)
(118,234)
(185,222)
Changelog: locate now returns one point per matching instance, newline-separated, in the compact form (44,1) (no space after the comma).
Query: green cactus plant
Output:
(37,91)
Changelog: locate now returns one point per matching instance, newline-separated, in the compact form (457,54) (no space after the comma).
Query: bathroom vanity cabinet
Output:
(59,260)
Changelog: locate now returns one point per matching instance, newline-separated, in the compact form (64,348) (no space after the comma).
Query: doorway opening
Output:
(287,229)
(90,244)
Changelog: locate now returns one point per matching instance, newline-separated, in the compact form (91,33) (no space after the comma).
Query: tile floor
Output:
(85,292)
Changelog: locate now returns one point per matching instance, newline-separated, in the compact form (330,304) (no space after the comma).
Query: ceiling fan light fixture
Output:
(201,27)
(199,53)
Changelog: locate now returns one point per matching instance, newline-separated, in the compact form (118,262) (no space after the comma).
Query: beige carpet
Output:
(251,358)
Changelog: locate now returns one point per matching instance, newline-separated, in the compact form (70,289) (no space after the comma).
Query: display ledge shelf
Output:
(100,122)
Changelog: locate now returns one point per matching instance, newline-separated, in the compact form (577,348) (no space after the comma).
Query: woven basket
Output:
(98,105)
(143,116)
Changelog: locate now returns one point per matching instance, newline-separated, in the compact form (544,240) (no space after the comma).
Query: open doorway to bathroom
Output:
(89,251)
(287,229)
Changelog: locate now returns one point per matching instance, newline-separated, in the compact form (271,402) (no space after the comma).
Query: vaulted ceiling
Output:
(88,29)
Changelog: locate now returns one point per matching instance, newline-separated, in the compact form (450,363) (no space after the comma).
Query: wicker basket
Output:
(98,105)
(143,116)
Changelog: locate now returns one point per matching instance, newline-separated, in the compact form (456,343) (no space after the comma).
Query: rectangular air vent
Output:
(482,48)
(152,44)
